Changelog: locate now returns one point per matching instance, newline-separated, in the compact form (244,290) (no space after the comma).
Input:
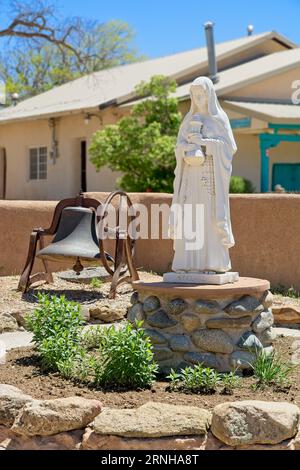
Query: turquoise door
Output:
(286,174)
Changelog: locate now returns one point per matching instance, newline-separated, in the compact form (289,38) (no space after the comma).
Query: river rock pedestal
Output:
(219,326)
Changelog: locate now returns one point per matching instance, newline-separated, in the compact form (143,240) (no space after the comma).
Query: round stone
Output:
(176,306)
(267,299)
(180,343)
(250,342)
(225,322)
(136,313)
(155,337)
(267,337)
(162,353)
(190,321)
(213,340)
(206,359)
(151,304)
(134,298)
(244,306)
(206,306)
(242,360)
(161,320)
(263,321)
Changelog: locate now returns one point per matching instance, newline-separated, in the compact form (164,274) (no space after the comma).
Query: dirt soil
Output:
(22,370)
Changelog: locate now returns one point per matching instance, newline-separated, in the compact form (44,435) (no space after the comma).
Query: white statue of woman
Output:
(205,182)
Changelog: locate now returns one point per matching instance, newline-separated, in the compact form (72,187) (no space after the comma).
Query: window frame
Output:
(38,163)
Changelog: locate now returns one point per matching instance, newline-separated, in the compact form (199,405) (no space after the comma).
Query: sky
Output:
(167,26)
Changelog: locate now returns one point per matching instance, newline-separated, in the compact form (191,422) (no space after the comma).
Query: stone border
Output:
(80,424)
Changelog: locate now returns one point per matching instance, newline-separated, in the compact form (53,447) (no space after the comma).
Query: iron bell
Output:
(76,239)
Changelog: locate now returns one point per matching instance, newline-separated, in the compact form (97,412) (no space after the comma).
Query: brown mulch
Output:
(22,370)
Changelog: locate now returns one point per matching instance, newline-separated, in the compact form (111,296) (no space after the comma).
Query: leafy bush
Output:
(199,379)
(240,185)
(96,283)
(141,145)
(56,325)
(270,370)
(126,358)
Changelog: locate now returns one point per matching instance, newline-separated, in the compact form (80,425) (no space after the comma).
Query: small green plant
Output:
(125,358)
(199,379)
(196,379)
(230,381)
(56,325)
(96,283)
(270,370)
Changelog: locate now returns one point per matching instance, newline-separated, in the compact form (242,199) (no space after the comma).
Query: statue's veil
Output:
(214,110)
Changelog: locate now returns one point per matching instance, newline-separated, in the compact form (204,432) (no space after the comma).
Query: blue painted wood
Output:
(240,123)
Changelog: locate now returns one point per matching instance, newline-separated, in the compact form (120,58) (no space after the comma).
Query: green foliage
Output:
(56,325)
(290,292)
(96,283)
(141,145)
(240,185)
(270,370)
(126,358)
(32,67)
(230,381)
(200,379)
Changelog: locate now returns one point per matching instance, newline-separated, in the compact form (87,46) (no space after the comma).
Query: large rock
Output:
(176,306)
(155,337)
(213,340)
(286,314)
(255,422)
(161,320)
(225,322)
(206,306)
(180,343)
(190,321)
(267,299)
(250,342)
(244,306)
(264,321)
(206,359)
(242,360)
(108,311)
(2,352)
(151,303)
(12,399)
(49,417)
(8,323)
(153,420)
(136,313)
(267,336)
(162,353)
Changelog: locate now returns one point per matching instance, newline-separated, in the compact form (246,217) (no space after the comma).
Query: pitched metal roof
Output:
(118,83)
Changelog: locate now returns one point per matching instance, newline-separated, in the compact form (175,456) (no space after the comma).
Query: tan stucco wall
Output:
(63,178)
(266,230)
(276,87)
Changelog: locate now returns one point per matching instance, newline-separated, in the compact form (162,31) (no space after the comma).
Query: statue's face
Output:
(199,98)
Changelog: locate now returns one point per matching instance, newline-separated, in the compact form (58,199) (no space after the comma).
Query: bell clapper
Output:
(78,267)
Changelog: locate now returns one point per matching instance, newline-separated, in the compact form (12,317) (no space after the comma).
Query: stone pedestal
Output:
(219,326)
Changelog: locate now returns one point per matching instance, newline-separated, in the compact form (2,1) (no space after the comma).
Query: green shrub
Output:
(199,379)
(270,370)
(56,325)
(286,292)
(96,283)
(240,185)
(125,358)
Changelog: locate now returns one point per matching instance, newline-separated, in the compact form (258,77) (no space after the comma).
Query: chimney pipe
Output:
(211,53)
(250,29)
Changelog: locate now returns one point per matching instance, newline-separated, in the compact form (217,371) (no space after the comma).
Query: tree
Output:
(141,145)
(43,52)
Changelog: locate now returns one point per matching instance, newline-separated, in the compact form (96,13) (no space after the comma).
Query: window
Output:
(38,163)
